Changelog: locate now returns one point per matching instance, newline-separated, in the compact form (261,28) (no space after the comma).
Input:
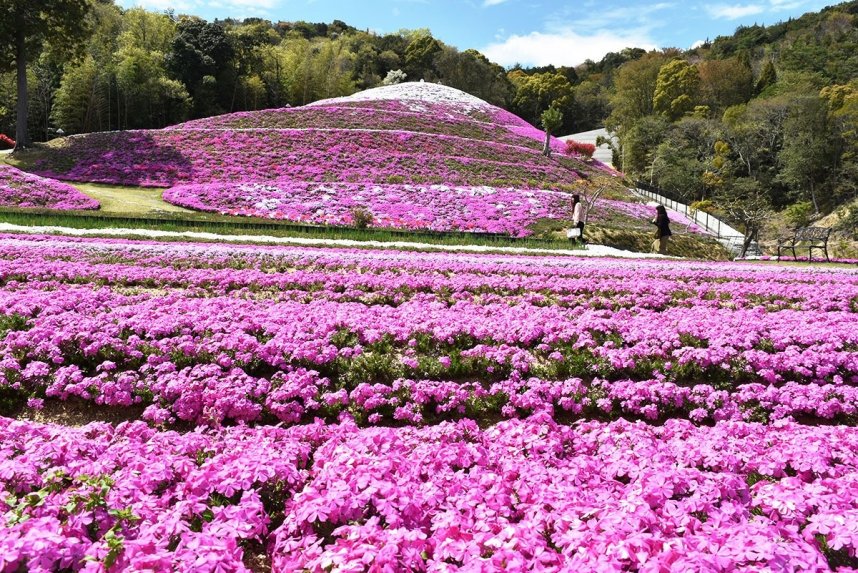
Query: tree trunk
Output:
(235,91)
(118,108)
(22,135)
(546,149)
(813,198)
(750,237)
(590,202)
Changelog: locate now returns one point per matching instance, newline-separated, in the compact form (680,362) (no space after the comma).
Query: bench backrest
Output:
(812,234)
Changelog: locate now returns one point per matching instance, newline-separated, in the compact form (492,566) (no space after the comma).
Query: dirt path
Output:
(129,200)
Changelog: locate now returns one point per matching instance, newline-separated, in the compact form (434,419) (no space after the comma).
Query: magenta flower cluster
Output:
(20,189)
(435,207)
(523,495)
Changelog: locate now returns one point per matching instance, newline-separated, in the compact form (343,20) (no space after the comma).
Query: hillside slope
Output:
(413,155)
(420,133)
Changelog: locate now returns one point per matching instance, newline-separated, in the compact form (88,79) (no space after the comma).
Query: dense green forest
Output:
(143,69)
(760,120)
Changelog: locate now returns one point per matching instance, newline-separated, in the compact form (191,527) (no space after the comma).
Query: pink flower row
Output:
(164,158)
(435,207)
(287,273)
(526,495)
(441,122)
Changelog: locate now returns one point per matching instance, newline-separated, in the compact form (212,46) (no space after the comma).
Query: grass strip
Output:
(249,226)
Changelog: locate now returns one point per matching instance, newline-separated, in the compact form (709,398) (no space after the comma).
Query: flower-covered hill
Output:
(20,189)
(419,133)
(411,156)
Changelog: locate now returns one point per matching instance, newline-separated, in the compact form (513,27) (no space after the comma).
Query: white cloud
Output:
(735,11)
(786,4)
(235,8)
(566,48)
(697,44)
(182,6)
(258,4)
(492,2)
(598,17)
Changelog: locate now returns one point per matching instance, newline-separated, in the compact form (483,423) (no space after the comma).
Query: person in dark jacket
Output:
(662,231)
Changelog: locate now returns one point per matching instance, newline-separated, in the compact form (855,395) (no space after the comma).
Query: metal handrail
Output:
(709,222)
(732,239)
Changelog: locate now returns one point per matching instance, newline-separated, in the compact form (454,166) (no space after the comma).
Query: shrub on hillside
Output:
(799,214)
(361,217)
(581,149)
(394,77)
(6,142)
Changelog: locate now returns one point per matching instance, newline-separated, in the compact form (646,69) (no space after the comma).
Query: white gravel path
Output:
(590,251)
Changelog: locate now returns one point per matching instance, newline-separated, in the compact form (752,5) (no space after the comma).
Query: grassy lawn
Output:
(129,201)
(114,199)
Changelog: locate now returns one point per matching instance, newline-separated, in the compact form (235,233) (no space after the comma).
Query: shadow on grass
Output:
(139,158)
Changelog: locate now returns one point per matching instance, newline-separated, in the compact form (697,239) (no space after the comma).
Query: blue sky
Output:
(530,32)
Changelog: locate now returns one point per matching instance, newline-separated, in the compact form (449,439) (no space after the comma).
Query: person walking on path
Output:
(578,217)
(662,231)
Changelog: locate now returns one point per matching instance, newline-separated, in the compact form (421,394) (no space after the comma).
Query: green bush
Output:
(798,214)
(849,223)
(361,217)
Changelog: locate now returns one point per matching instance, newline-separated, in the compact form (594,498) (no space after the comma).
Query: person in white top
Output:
(578,217)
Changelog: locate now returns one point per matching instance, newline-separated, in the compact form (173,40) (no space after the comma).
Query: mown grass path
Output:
(129,200)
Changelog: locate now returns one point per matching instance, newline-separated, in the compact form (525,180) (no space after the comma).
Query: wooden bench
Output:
(811,237)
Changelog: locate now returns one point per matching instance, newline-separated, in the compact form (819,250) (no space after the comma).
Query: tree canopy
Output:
(25,28)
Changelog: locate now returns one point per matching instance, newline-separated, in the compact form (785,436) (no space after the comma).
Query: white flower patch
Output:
(267,204)
(412,93)
(591,251)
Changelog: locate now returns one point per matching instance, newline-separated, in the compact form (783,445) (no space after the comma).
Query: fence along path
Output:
(731,238)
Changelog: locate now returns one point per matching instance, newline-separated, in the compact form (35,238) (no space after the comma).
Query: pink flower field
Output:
(262,408)
(434,207)
(21,189)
